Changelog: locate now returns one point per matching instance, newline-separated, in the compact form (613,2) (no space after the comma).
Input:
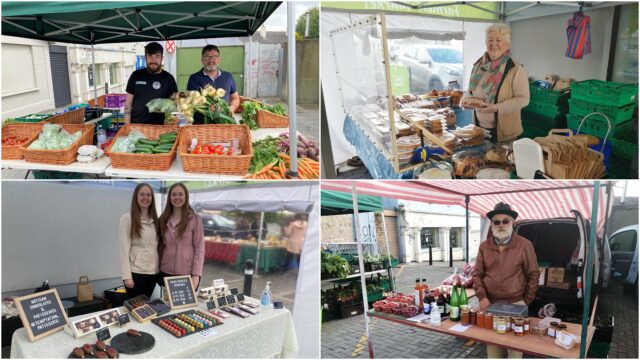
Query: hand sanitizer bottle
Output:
(265,299)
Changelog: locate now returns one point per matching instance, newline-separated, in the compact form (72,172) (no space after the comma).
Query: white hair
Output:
(502,29)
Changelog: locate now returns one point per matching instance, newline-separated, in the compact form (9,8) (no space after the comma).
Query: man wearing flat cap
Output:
(506,268)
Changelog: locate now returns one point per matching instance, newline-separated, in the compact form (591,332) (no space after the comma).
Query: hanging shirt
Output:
(579,36)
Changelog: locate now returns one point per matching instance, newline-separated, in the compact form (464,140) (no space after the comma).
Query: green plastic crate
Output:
(533,119)
(531,132)
(606,93)
(374,296)
(625,149)
(619,168)
(549,96)
(596,125)
(615,114)
(37,118)
(546,109)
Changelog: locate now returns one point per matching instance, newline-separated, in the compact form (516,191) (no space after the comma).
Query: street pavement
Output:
(346,338)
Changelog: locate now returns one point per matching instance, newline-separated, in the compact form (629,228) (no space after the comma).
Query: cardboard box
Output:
(555,275)
(543,276)
(559,285)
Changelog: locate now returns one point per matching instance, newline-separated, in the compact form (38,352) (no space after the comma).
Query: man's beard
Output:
(211,68)
(156,70)
(502,235)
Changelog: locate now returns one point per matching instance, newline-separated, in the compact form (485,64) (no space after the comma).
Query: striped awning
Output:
(534,199)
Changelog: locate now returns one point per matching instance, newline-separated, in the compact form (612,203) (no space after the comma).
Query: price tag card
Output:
(103,334)
(211,305)
(123,319)
(234,291)
(231,299)
(207,332)
(240,297)
(222,301)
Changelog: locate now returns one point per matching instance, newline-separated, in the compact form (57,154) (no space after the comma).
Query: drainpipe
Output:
(400,227)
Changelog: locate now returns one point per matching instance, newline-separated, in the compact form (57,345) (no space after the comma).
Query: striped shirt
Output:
(578,35)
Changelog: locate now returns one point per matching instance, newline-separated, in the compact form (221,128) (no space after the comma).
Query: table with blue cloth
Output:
(272,258)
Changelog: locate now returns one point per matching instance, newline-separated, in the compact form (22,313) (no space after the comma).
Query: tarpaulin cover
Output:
(336,203)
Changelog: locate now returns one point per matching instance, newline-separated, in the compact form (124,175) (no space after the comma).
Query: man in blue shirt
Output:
(211,74)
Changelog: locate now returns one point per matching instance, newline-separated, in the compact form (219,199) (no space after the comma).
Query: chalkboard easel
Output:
(42,314)
(180,291)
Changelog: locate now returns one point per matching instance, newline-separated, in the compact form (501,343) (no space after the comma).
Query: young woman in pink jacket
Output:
(181,247)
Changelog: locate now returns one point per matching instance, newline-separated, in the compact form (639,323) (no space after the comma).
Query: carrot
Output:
(284,156)
(274,174)
(281,170)
(265,169)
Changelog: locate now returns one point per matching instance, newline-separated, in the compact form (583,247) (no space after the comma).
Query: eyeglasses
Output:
(214,57)
(504,222)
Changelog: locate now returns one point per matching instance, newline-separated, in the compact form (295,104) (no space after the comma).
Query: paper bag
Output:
(85,290)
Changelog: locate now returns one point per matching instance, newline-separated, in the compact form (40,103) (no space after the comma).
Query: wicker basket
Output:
(240,109)
(101,102)
(61,157)
(234,165)
(70,117)
(29,130)
(268,119)
(158,162)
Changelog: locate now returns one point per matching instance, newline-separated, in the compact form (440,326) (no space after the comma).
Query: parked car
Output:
(215,224)
(431,67)
(623,246)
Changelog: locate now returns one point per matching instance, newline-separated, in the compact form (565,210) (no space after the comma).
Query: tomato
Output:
(219,150)
(206,150)
(230,152)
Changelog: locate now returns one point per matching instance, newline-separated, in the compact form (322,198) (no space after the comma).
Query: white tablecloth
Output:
(267,334)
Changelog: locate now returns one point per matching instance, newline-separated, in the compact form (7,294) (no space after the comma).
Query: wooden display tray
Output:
(543,346)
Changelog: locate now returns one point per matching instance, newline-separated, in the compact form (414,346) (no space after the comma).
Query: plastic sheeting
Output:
(306,315)
(257,206)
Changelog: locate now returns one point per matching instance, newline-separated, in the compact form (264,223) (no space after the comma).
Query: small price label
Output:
(231,299)
(240,297)
(234,291)
(123,319)
(211,305)
(103,334)
(222,301)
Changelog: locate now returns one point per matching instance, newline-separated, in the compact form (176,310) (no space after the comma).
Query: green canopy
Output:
(85,22)
(337,203)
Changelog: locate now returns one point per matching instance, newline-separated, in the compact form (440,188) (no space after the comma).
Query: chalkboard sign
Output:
(42,314)
(211,305)
(222,301)
(234,291)
(240,297)
(103,334)
(180,291)
(231,299)
(123,319)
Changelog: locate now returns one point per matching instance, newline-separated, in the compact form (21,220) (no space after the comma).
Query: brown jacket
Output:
(508,277)
(513,95)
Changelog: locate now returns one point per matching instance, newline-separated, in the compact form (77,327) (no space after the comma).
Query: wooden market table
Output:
(536,345)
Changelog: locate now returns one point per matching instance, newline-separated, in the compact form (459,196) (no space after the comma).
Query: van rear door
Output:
(623,244)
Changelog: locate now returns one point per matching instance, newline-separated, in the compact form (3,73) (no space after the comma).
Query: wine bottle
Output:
(454,313)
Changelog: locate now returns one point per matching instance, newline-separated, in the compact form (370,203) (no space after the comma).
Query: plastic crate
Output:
(91,113)
(532,132)
(546,109)
(56,175)
(615,114)
(597,126)
(548,96)
(37,118)
(347,311)
(619,168)
(625,149)
(115,100)
(544,122)
(375,296)
(607,93)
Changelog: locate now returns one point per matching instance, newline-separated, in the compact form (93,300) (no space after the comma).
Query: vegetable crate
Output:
(615,114)
(532,132)
(115,100)
(606,93)
(533,119)
(350,310)
(70,117)
(91,113)
(546,109)
(268,119)
(553,97)
(243,99)
(60,157)
(27,130)
(34,118)
(619,168)
(597,126)
(151,162)
(622,148)
(101,101)
(216,164)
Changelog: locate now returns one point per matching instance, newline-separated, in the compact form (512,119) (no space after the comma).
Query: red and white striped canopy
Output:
(533,199)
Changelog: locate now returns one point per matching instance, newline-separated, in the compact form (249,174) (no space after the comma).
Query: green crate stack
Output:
(619,168)
(627,147)
(547,110)
(616,100)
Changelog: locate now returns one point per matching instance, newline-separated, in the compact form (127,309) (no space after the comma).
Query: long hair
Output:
(136,227)
(186,211)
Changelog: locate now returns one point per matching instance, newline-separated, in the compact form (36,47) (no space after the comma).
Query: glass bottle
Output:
(441,305)
(454,308)
(501,325)
(435,315)
(518,327)
(465,317)
(462,297)
(416,293)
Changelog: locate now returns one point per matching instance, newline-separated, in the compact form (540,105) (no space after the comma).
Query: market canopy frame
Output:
(84,22)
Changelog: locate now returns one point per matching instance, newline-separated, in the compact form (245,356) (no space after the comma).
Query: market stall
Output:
(92,23)
(400,124)
(532,201)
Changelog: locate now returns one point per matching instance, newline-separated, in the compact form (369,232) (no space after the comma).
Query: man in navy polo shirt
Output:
(211,74)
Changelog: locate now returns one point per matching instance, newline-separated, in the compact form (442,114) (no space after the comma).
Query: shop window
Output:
(94,77)
(114,71)
(454,236)
(428,236)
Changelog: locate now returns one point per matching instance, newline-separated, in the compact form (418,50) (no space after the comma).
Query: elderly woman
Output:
(502,83)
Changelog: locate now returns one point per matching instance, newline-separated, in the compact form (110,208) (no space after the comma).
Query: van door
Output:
(582,253)
(623,245)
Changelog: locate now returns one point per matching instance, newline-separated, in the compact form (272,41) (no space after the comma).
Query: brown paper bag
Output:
(85,290)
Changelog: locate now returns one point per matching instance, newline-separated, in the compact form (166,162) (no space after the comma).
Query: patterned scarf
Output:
(495,70)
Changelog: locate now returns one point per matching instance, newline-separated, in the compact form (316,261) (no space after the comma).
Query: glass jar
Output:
(501,324)
(551,330)
(518,327)
(474,316)
(526,325)
(464,317)
(488,321)
(480,319)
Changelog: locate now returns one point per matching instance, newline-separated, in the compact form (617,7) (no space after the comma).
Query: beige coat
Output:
(512,97)
(138,255)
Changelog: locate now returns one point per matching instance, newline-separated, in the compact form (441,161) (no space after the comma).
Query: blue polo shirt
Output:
(200,79)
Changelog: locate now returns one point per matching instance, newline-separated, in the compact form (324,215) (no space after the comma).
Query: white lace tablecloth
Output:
(267,334)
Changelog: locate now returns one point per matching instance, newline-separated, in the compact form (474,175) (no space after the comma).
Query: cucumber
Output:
(143,146)
(167,145)
(141,151)
(171,134)
(148,142)
(167,141)
(160,151)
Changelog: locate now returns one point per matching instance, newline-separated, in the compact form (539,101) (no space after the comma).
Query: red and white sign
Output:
(171,46)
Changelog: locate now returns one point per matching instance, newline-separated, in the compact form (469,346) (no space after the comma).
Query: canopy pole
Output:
(386,241)
(291,77)
(363,279)
(93,72)
(606,209)
(466,205)
(249,90)
(589,262)
(259,241)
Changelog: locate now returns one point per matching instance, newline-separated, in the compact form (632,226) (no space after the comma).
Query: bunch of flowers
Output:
(209,102)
